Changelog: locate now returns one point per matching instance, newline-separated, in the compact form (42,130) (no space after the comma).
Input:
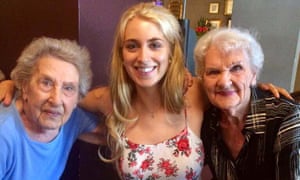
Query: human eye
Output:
(236,68)
(155,45)
(212,72)
(69,89)
(46,84)
(130,45)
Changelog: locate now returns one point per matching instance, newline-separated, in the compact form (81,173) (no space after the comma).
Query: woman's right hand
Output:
(7,90)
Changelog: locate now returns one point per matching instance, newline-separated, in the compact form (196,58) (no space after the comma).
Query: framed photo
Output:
(213,8)
(175,7)
(215,23)
(228,7)
(229,23)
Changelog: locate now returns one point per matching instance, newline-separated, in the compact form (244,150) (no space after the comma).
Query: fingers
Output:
(284,92)
(5,97)
(6,92)
(274,90)
(277,91)
(8,99)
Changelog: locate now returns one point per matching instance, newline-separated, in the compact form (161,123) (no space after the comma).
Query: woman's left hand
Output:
(277,91)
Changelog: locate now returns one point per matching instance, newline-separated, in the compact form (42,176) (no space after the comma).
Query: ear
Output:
(254,79)
(24,92)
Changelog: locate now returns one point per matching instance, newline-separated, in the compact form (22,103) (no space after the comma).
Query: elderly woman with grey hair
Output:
(247,132)
(38,129)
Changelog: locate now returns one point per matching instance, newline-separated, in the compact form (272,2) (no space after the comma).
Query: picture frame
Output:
(228,7)
(213,8)
(215,23)
(229,23)
(175,7)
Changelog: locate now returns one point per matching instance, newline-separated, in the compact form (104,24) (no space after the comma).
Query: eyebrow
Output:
(236,63)
(230,66)
(151,39)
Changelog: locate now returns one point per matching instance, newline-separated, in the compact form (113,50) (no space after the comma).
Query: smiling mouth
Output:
(52,113)
(226,92)
(145,69)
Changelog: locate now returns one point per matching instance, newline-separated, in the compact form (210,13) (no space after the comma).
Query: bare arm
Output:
(97,136)
(98,101)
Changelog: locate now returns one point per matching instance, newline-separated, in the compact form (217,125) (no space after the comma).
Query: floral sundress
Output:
(180,157)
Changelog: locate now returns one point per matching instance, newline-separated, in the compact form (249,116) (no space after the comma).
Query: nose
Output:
(224,80)
(143,54)
(55,97)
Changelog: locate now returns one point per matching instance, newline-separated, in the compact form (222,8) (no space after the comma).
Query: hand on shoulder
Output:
(7,91)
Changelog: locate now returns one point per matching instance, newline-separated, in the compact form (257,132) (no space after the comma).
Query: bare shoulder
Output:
(195,94)
(195,101)
(97,100)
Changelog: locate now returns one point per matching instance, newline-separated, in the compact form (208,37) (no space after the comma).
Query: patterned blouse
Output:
(180,157)
(272,141)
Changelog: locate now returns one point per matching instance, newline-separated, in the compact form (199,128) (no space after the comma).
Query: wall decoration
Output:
(229,23)
(203,26)
(215,23)
(175,6)
(213,8)
(228,7)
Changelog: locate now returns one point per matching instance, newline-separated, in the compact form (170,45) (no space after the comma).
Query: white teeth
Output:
(146,69)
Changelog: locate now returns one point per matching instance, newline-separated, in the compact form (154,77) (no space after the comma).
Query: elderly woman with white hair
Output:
(247,132)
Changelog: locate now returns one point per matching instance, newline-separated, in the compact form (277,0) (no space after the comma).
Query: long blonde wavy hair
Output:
(123,88)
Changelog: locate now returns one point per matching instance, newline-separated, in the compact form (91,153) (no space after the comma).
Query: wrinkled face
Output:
(227,79)
(52,93)
(145,52)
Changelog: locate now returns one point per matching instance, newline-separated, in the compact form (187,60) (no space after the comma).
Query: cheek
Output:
(209,88)
(209,85)
(70,104)
(128,57)
(33,95)
(244,81)
(128,60)
(164,65)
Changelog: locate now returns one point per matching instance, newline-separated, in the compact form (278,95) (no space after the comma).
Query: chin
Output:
(226,106)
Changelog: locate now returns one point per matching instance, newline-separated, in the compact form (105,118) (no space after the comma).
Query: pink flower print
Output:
(148,150)
(190,174)
(132,146)
(171,171)
(164,163)
(147,164)
(155,176)
(132,164)
(184,146)
(143,150)
(138,174)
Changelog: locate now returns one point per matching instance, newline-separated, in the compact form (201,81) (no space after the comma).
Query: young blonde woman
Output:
(154,128)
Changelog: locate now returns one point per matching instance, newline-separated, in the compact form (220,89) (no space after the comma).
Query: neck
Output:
(236,114)
(147,102)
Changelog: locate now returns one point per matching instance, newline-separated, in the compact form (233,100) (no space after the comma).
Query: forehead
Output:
(217,57)
(57,69)
(139,28)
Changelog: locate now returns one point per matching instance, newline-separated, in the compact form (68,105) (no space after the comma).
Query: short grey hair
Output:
(226,40)
(63,49)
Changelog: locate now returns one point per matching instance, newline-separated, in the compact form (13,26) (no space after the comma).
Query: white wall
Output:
(278,23)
